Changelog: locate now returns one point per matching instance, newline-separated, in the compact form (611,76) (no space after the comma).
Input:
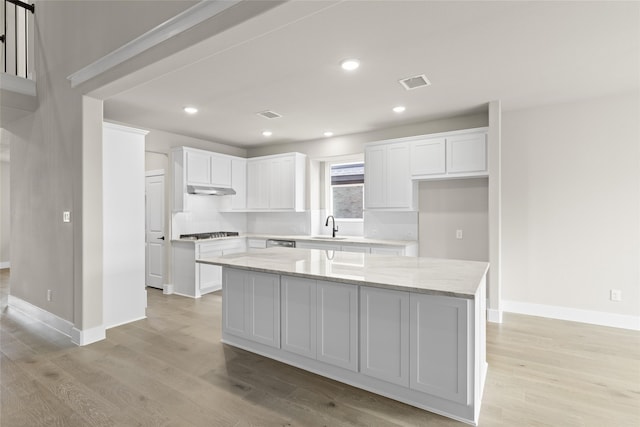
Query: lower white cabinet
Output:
(439,346)
(251,307)
(337,317)
(406,250)
(320,320)
(384,334)
(388,251)
(193,279)
(422,349)
(298,305)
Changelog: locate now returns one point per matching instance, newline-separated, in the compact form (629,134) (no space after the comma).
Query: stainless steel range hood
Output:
(210,190)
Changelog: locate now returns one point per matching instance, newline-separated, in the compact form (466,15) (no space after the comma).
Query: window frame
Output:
(329,189)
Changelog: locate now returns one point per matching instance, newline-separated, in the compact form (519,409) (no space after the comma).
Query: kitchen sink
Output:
(328,238)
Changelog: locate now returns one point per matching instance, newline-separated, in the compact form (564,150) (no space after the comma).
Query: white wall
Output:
(5,224)
(571,206)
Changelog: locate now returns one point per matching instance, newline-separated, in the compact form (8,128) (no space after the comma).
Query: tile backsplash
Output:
(391,225)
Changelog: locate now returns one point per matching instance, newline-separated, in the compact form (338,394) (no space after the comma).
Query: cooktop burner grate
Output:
(211,235)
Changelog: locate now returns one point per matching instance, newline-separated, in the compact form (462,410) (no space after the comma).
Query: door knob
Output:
(161,238)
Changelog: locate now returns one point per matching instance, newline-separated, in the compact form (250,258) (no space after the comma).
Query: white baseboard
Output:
(65,327)
(88,336)
(43,316)
(5,264)
(167,289)
(494,316)
(573,314)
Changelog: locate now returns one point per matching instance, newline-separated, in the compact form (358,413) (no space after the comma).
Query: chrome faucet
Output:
(334,228)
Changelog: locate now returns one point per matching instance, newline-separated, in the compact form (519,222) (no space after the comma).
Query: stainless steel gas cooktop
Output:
(211,235)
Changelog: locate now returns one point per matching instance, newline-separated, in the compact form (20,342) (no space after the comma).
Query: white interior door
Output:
(155,236)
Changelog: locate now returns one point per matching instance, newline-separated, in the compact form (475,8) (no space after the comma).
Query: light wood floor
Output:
(172,370)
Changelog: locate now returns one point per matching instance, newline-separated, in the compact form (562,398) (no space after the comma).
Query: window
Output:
(347,190)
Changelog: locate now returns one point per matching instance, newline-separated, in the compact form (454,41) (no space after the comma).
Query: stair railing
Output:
(15,38)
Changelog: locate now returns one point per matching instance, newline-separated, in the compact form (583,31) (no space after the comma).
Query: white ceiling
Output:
(287,60)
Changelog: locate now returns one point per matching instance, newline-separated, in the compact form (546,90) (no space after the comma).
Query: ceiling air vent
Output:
(415,82)
(269,114)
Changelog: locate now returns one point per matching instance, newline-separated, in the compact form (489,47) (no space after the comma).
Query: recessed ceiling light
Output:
(190,110)
(267,133)
(399,109)
(328,133)
(350,64)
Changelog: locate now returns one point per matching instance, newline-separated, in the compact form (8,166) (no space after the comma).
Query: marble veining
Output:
(456,278)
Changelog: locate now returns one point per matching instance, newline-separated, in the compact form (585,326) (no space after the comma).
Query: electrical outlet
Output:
(616,295)
(49,294)
(458,234)
(66,216)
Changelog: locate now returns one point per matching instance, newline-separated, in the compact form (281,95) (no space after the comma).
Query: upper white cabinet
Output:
(198,167)
(454,155)
(428,157)
(467,154)
(192,166)
(206,168)
(276,183)
(239,183)
(387,175)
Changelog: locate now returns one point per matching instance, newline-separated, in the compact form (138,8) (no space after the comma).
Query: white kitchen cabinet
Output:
(252,306)
(388,184)
(450,155)
(194,279)
(207,168)
(407,250)
(258,183)
(439,355)
(276,183)
(388,250)
(198,167)
(256,243)
(384,334)
(467,154)
(337,323)
(239,184)
(298,308)
(220,170)
(327,246)
(192,166)
(235,316)
(428,157)
(375,180)
(356,248)
(209,276)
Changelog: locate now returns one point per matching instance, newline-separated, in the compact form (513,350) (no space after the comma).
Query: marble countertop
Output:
(436,276)
(338,240)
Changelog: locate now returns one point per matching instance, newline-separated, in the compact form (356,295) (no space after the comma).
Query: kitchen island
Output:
(411,329)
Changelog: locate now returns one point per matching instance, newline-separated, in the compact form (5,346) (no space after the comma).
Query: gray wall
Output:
(48,146)
(450,205)
(571,204)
